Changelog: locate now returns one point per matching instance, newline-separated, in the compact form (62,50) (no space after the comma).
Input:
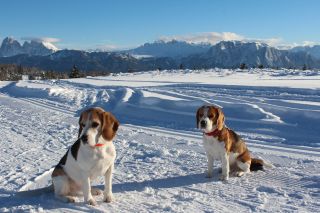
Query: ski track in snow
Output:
(160,161)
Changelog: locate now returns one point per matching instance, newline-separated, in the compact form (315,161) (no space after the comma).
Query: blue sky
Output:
(84,24)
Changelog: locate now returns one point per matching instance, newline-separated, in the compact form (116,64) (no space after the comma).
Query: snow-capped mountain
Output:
(11,47)
(165,55)
(171,48)
(312,50)
(230,54)
(38,48)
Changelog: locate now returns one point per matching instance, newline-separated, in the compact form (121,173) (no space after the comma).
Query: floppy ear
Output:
(110,126)
(80,127)
(220,120)
(197,117)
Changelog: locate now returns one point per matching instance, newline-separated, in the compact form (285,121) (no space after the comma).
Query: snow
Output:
(50,46)
(160,161)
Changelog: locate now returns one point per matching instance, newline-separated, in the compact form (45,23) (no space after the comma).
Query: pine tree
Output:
(75,73)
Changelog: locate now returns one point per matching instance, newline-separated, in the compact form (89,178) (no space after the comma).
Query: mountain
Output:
(312,50)
(167,55)
(64,60)
(38,48)
(11,47)
(230,54)
(173,48)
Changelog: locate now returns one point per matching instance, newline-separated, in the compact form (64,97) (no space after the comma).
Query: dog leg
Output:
(61,187)
(209,166)
(245,168)
(86,188)
(108,185)
(225,167)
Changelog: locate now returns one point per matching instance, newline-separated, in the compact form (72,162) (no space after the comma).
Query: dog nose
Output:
(203,123)
(84,138)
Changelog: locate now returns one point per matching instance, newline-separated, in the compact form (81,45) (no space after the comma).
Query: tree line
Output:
(12,72)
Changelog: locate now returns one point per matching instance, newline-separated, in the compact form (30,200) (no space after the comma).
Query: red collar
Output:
(97,145)
(214,133)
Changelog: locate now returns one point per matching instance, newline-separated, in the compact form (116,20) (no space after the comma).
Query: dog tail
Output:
(259,164)
(35,192)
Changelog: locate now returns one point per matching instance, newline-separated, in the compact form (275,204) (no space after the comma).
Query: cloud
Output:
(309,43)
(207,37)
(274,42)
(41,39)
(216,37)
(108,47)
(112,47)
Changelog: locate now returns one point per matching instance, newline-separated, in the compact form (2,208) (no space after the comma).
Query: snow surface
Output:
(160,161)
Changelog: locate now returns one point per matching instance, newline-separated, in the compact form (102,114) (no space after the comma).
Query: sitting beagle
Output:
(221,143)
(92,155)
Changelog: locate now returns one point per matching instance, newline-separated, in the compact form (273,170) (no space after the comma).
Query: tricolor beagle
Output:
(92,155)
(221,143)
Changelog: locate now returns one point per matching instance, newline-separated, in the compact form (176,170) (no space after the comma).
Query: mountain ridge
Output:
(172,55)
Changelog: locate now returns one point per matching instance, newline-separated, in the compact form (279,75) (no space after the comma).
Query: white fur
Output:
(90,163)
(216,150)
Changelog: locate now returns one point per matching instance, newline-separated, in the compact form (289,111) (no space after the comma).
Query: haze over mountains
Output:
(159,55)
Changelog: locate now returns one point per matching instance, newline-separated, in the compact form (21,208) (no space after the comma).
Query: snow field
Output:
(160,161)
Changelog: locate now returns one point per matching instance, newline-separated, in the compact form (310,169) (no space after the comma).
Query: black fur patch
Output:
(256,167)
(256,164)
(75,148)
(63,160)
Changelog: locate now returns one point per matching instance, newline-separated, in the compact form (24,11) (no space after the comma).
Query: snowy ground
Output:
(161,163)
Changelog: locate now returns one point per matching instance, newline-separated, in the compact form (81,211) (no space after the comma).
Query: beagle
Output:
(221,143)
(92,155)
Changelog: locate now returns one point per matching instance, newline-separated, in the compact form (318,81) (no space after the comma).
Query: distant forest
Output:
(12,72)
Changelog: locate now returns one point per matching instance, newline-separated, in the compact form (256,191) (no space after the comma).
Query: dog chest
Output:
(214,147)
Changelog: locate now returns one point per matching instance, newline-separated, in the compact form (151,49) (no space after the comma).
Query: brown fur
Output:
(109,124)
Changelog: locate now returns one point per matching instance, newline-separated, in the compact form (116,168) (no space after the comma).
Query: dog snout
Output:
(84,138)
(203,123)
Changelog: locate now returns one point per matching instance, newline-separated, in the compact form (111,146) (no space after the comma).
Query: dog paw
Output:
(239,174)
(96,191)
(108,198)
(224,177)
(92,202)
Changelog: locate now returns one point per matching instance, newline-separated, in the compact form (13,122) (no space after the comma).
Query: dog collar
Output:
(214,133)
(99,144)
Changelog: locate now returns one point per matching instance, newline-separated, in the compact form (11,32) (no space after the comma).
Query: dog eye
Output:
(95,124)
(201,115)
(210,116)
(82,125)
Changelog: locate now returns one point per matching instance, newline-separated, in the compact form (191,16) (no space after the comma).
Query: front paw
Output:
(224,177)
(108,198)
(92,202)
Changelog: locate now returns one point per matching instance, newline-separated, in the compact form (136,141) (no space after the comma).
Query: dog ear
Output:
(80,127)
(197,117)
(110,126)
(220,120)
